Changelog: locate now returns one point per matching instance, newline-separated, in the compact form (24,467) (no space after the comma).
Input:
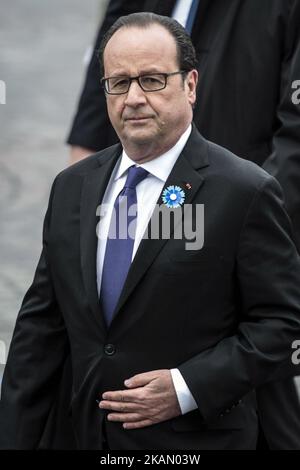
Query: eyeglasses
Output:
(149,82)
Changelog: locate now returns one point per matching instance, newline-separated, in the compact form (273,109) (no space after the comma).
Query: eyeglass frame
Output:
(137,78)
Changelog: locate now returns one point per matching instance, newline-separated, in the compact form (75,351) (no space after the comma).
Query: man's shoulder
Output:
(239,171)
(89,163)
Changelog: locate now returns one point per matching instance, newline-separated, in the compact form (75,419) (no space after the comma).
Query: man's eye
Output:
(119,83)
(152,80)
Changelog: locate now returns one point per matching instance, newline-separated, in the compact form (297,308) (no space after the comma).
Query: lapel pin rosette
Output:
(173,196)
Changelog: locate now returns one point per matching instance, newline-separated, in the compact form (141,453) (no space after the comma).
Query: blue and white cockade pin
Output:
(173,196)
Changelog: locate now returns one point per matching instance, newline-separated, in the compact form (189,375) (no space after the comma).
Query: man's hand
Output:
(150,398)
(79,153)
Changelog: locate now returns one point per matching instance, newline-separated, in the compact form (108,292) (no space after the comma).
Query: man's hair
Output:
(186,55)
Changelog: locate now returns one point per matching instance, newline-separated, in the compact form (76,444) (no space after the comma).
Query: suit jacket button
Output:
(109,349)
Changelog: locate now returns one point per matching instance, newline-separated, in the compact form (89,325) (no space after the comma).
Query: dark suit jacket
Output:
(225,315)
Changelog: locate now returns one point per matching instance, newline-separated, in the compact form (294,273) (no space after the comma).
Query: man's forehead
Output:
(140,49)
(150,38)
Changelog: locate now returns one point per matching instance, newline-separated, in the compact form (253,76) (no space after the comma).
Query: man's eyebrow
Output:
(142,72)
(150,71)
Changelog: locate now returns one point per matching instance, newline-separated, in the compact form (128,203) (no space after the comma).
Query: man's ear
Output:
(191,83)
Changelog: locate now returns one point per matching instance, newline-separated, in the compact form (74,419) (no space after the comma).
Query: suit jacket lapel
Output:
(94,185)
(193,157)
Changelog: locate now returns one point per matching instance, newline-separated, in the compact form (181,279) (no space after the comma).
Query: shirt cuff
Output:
(185,398)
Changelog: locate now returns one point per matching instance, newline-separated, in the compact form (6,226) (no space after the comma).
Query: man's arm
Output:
(284,162)
(268,279)
(36,357)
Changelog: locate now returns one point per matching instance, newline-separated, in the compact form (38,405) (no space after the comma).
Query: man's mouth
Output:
(138,118)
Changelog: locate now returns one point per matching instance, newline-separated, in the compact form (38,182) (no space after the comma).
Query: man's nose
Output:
(135,95)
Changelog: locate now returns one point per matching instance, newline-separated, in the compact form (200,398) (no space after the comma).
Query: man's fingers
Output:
(137,381)
(138,424)
(138,391)
(140,380)
(124,417)
(121,395)
(118,406)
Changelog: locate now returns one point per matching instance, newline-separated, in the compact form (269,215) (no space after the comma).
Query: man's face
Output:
(152,120)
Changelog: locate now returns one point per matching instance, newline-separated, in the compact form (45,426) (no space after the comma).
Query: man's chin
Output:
(140,137)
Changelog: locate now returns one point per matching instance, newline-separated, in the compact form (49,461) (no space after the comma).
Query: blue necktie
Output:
(119,246)
(191,17)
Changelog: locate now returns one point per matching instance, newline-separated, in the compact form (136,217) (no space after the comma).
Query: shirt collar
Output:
(160,166)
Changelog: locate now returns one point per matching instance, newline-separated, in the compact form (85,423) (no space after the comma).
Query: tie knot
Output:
(135,176)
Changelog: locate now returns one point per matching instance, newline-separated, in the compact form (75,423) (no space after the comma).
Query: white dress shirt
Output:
(148,192)
(181,11)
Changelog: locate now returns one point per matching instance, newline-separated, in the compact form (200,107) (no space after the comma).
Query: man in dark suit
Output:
(248,56)
(181,337)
